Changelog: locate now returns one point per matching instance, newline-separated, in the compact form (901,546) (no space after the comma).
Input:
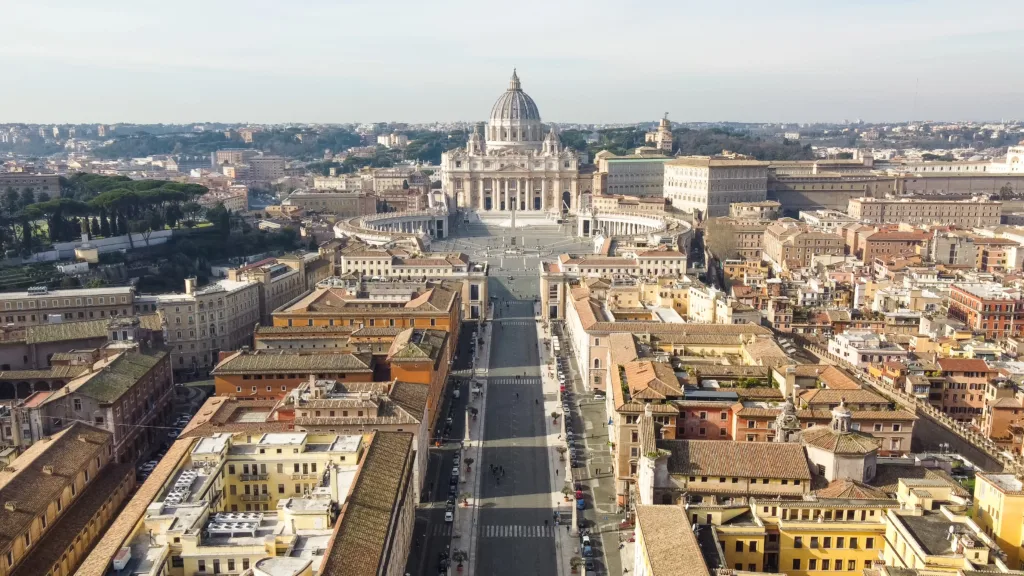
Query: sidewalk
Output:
(466,516)
(566,544)
(602,515)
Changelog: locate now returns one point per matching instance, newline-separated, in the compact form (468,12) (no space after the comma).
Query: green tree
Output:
(28,197)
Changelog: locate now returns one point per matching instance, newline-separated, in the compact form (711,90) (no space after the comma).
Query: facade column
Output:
(480,199)
(574,203)
(504,193)
(544,194)
(529,193)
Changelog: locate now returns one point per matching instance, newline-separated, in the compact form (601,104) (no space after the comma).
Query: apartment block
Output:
(48,184)
(978,211)
(125,389)
(202,322)
(41,305)
(266,503)
(791,244)
(989,309)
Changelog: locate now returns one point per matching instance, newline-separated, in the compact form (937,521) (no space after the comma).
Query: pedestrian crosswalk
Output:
(517,322)
(516,531)
(441,529)
(521,381)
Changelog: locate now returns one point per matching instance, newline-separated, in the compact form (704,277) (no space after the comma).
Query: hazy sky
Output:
(415,61)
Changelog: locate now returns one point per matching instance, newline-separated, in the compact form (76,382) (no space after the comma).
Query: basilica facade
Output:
(516,164)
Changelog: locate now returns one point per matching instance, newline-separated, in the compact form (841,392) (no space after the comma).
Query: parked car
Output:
(455,471)
(449,516)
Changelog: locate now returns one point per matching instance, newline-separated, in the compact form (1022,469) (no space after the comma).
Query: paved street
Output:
(433,535)
(511,534)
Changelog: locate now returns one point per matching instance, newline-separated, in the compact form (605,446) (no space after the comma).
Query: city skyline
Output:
(117,62)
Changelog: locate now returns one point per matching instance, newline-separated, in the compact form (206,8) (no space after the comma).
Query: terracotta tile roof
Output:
(740,459)
(228,414)
(35,479)
(831,396)
(963,365)
(837,379)
(51,373)
(825,438)
(87,330)
(377,332)
(652,380)
(98,561)
(318,330)
(359,545)
(117,377)
(75,520)
(278,361)
(754,393)
(411,397)
(669,543)
(622,348)
(851,489)
(898,237)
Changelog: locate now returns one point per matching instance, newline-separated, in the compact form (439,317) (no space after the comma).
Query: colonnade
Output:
(408,227)
(624,228)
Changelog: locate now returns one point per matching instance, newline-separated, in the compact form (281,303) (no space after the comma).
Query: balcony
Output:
(253,477)
(255,497)
(305,476)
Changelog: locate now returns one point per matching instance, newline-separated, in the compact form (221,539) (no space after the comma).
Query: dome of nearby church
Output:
(515,104)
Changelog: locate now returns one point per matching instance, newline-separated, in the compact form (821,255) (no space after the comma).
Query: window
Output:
(814,541)
(878,427)
(812,564)
(840,541)
(751,424)
(753,546)
(853,542)
(826,542)
(796,563)
(798,542)
(78,403)
(739,545)
(850,564)
(826,564)
(724,416)
(869,543)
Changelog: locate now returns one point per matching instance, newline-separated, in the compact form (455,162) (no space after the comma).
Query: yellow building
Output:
(261,470)
(999,511)
(185,520)
(943,540)
(58,498)
(231,502)
(841,535)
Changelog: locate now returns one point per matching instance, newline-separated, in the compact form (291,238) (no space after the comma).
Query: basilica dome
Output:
(515,121)
(515,104)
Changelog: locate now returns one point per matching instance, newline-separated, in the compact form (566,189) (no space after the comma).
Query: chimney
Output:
(48,470)
(190,286)
(11,505)
(648,410)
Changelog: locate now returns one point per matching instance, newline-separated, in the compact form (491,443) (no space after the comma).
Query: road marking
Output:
(516,531)
(441,529)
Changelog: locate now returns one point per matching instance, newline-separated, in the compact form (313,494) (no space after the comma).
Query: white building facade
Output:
(514,166)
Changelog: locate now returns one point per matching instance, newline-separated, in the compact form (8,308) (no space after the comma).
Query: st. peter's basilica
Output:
(516,165)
